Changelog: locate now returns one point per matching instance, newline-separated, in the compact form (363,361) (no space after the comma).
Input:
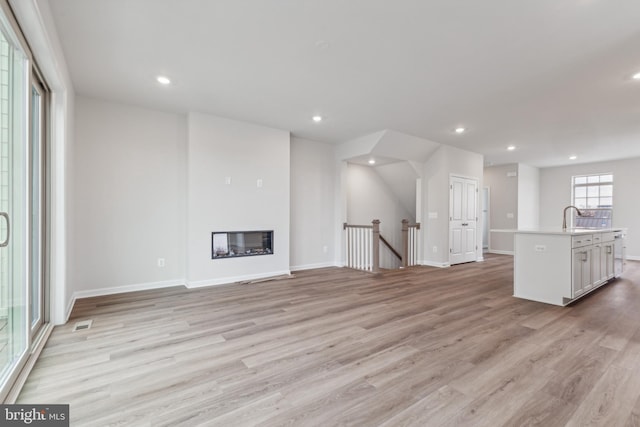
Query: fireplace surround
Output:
(235,244)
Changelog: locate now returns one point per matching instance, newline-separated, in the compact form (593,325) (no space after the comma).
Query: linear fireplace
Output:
(233,244)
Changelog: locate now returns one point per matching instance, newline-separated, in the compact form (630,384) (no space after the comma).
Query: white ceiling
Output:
(552,77)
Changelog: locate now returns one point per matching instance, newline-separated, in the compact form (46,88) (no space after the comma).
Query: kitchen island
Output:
(558,266)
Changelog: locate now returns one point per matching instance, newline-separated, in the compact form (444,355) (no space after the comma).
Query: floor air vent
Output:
(81,326)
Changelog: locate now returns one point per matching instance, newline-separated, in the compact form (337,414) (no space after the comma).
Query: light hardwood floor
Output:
(422,346)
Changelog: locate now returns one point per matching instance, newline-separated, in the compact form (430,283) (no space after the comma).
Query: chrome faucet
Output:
(564,215)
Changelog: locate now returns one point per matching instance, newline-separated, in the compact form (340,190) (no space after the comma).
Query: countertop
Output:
(568,231)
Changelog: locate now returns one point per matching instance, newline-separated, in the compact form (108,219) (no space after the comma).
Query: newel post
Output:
(376,246)
(405,242)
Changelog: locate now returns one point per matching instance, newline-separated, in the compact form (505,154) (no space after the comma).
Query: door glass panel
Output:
(36,276)
(13,202)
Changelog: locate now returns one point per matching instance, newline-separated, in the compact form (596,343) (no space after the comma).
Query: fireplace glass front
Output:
(233,244)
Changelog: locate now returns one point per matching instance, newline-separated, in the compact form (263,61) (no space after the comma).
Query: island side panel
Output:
(542,267)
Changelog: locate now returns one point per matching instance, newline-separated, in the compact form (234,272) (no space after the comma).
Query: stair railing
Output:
(363,246)
(409,243)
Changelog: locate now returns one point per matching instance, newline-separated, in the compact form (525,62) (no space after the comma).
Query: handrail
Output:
(345,225)
(388,245)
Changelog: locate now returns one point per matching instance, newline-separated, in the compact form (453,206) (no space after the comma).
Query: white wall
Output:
(435,222)
(503,214)
(219,148)
(555,194)
(528,196)
(313,181)
(443,163)
(514,202)
(129,197)
(401,177)
(369,198)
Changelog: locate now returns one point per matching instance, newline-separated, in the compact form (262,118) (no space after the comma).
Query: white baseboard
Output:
(119,290)
(314,266)
(435,264)
(497,252)
(480,259)
(633,257)
(67,313)
(235,279)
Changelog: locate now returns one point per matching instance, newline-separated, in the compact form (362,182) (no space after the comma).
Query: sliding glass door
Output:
(14,167)
(37,139)
(23,201)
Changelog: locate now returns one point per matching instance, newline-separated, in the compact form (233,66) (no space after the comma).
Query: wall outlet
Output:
(259,183)
(510,215)
(433,215)
(160,262)
(325,249)
(541,248)
(435,249)
(227,180)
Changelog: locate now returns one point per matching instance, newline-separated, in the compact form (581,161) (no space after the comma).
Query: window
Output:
(593,195)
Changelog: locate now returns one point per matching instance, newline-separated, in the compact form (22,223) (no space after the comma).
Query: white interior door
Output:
(463,219)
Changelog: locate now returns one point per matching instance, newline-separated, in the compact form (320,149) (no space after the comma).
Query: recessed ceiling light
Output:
(573,157)
(460,130)
(316,119)
(372,162)
(636,76)
(163,80)
(511,147)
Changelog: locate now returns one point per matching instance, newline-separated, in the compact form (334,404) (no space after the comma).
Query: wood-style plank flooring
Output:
(422,346)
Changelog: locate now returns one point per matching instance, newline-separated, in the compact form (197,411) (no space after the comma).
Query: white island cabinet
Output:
(557,267)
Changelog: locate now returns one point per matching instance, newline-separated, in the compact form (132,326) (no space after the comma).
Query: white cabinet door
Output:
(463,219)
(596,265)
(581,280)
(608,261)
